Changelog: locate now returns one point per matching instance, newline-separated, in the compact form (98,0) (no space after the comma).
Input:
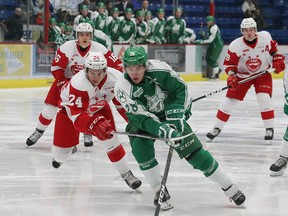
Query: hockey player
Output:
(157,102)
(247,56)
(175,28)
(215,46)
(128,28)
(85,108)
(69,60)
(277,169)
(113,25)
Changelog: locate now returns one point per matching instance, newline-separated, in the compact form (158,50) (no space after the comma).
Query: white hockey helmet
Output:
(84,27)
(248,23)
(95,60)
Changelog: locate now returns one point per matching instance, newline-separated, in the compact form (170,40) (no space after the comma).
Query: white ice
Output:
(85,185)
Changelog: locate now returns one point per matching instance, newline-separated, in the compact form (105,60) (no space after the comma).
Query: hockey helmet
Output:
(84,27)
(135,55)
(248,23)
(210,18)
(95,60)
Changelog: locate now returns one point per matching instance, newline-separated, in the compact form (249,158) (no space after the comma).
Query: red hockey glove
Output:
(100,127)
(93,108)
(232,80)
(278,63)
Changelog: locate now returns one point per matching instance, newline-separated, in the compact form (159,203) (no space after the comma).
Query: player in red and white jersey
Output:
(85,108)
(68,61)
(248,56)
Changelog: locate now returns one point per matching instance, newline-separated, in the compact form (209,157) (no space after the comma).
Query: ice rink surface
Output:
(85,185)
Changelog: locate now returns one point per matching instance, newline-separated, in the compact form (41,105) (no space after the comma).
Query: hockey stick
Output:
(164,180)
(240,82)
(151,137)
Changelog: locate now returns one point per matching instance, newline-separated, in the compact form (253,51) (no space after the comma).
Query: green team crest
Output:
(155,103)
(121,95)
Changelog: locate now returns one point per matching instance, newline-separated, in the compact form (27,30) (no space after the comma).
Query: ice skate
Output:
(212,134)
(57,164)
(269,135)
(131,180)
(235,195)
(165,205)
(88,142)
(34,137)
(277,168)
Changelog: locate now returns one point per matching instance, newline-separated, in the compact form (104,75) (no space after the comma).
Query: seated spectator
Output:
(248,8)
(62,16)
(109,7)
(14,26)
(259,19)
(123,5)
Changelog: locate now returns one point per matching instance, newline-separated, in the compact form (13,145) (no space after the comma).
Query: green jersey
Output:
(174,30)
(113,28)
(158,30)
(127,31)
(145,103)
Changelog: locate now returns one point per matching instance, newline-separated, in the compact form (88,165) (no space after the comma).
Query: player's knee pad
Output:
(264,101)
(49,111)
(110,144)
(204,161)
(228,105)
(61,154)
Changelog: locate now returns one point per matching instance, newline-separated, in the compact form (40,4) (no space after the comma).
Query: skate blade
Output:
(166,206)
(275,174)
(268,142)
(138,190)
(209,140)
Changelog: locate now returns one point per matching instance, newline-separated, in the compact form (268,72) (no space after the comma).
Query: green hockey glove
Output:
(175,117)
(165,131)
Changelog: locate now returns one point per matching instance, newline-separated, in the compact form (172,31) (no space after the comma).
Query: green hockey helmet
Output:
(115,10)
(210,19)
(128,10)
(135,55)
(52,20)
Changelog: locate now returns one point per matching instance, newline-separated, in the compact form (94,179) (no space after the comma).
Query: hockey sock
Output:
(118,158)
(153,177)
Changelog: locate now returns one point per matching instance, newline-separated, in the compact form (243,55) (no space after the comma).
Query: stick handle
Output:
(164,180)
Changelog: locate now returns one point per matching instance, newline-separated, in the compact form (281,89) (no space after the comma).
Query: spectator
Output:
(109,7)
(248,8)
(215,46)
(259,19)
(123,5)
(14,26)
(63,16)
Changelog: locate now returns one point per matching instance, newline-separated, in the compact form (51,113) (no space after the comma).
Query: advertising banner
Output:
(174,55)
(15,60)
(44,57)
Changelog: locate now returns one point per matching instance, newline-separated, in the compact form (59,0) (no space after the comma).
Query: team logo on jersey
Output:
(253,64)
(76,68)
(155,103)
(121,95)
(138,92)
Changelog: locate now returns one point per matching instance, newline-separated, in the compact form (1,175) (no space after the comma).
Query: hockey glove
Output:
(93,108)
(198,42)
(165,131)
(100,127)
(232,79)
(175,117)
(286,105)
(278,63)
